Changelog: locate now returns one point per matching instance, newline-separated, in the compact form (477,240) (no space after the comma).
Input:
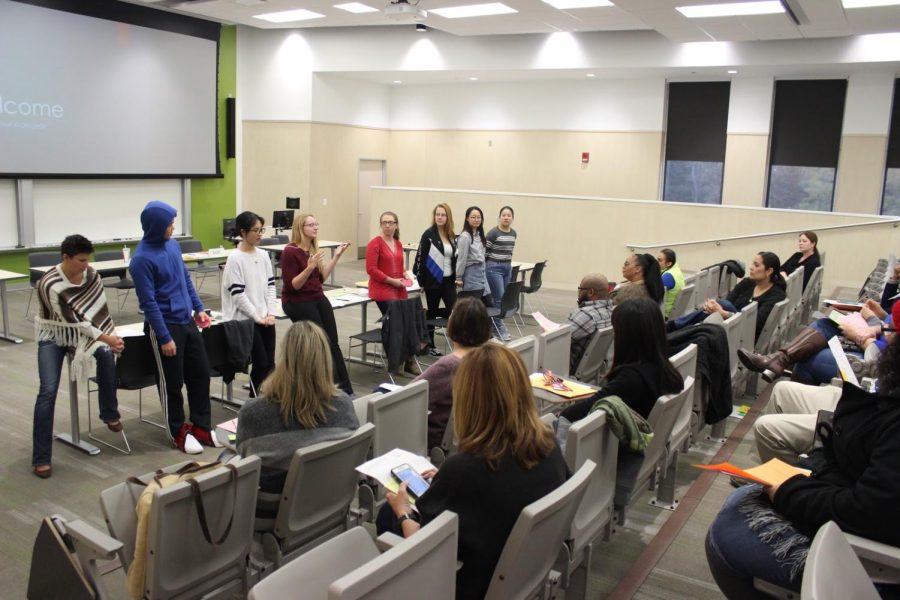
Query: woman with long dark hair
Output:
(248,293)
(641,371)
(642,280)
(763,285)
(765,532)
(471,243)
(435,266)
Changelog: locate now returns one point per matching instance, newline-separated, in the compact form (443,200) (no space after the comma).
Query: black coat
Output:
(713,365)
(859,487)
(430,238)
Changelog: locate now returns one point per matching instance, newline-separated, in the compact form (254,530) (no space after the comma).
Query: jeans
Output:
(821,367)
(50,360)
(498,276)
(697,316)
(320,312)
(736,555)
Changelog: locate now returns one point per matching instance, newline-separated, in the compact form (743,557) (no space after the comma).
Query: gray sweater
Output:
(263,432)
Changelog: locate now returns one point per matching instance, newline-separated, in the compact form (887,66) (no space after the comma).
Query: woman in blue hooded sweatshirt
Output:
(172,313)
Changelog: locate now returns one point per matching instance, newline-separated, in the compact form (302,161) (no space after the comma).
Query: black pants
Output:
(433,297)
(188,367)
(320,312)
(262,355)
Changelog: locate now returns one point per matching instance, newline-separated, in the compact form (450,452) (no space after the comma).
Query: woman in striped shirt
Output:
(501,240)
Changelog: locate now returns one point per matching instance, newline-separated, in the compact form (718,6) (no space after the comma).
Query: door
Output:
(371,172)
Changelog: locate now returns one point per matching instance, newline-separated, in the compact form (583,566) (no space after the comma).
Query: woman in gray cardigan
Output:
(299,406)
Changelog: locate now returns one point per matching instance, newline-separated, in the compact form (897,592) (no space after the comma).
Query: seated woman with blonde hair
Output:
(507,459)
(299,406)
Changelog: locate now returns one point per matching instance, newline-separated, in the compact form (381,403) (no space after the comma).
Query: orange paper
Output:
(773,472)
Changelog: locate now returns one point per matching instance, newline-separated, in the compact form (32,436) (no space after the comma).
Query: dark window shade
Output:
(697,121)
(806,127)
(893,153)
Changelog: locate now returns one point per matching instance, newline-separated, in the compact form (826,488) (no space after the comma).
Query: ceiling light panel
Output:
(869,3)
(570,4)
(473,10)
(289,16)
(356,8)
(735,9)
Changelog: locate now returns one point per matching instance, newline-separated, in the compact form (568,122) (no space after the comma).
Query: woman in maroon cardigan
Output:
(303,269)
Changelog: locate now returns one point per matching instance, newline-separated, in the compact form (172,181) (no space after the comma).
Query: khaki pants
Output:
(788,428)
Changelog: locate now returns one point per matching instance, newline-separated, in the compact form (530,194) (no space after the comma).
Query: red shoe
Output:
(206,437)
(186,440)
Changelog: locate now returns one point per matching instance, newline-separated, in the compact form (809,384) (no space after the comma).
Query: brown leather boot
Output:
(772,366)
(412,367)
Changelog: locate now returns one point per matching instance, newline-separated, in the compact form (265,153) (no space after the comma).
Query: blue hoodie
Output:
(161,280)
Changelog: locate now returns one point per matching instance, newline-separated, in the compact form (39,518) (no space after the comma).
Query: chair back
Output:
(535,283)
(702,286)
(536,539)
(748,325)
(270,241)
(41,259)
(733,330)
(510,301)
(712,282)
(810,298)
(794,289)
(527,349)
(111,255)
(768,338)
(662,420)
(400,419)
(833,570)
(591,439)
(190,246)
(282,239)
(683,302)
(421,566)
(685,362)
(136,365)
(179,560)
(320,485)
(478,293)
(590,368)
(554,348)
(514,273)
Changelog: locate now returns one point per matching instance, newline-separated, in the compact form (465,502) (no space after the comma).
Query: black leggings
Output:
(433,297)
(320,312)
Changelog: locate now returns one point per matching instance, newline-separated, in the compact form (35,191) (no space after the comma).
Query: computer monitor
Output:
(283,219)
(228,229)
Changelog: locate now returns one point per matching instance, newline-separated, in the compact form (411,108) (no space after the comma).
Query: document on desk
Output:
(379,468)
(124,331)
(545,323)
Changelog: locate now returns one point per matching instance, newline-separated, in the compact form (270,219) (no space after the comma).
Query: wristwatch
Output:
(404,517)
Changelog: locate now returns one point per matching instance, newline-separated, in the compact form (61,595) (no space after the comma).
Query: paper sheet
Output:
(840,357)
(545,323)
(578,390)
(230,426)
(774,471)
(379,468)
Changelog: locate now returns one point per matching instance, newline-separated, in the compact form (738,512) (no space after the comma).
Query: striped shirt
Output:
(500,245)
(248,286)
(62,300)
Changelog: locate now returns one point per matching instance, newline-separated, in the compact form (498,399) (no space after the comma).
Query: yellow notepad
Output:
(577,390)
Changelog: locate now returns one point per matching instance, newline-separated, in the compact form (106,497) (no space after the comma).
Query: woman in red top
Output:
(384,264)
(303,269)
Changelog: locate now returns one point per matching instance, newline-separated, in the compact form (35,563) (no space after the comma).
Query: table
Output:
(409,249)
(4,277)
(276,249)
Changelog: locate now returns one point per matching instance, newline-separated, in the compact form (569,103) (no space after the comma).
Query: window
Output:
(806,138)
(890,202)
(696,126)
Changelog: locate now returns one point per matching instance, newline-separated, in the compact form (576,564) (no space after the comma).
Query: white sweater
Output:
(248,286)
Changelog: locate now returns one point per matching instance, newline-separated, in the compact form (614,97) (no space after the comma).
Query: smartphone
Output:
(415,483)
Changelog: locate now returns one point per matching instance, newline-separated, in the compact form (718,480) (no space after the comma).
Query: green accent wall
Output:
(211,199)
(215,199)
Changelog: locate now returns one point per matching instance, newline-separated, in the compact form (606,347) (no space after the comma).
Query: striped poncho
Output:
(73,316)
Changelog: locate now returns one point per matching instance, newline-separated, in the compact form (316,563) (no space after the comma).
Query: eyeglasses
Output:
(310,224)
(389,222)
(257,230)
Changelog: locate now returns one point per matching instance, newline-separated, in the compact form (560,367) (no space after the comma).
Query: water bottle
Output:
(126,254)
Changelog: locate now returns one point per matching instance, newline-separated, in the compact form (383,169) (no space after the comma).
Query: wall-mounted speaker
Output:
(293,202)
(230,115)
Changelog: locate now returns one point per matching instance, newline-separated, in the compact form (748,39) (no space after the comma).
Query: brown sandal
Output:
(43,473)
(115,426)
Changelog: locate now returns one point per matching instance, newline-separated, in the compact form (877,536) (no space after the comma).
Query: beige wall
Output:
(580,235)
(746,160)
(622,165)
(275,159)
(860,174)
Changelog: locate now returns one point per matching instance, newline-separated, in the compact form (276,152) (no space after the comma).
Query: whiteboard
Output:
(100,210)
(9,235)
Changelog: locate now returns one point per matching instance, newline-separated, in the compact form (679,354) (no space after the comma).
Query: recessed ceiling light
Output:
(702,11)
(397,81)
(589,75)
(473,10)
(567,4)
(473,79)
(732,72)
(356,7)
(288,16)
(869,3)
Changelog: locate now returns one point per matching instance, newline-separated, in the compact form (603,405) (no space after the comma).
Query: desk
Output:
(276,249)
(407,250)
(4,277)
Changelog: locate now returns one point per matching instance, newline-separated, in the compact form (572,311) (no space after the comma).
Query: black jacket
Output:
(403,331)
(859,488)
(713,365)
(424,276)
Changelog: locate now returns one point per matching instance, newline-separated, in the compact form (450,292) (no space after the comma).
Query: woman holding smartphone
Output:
(303,271)
(470,273)
(248,293)
(435,267)
(500,243)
